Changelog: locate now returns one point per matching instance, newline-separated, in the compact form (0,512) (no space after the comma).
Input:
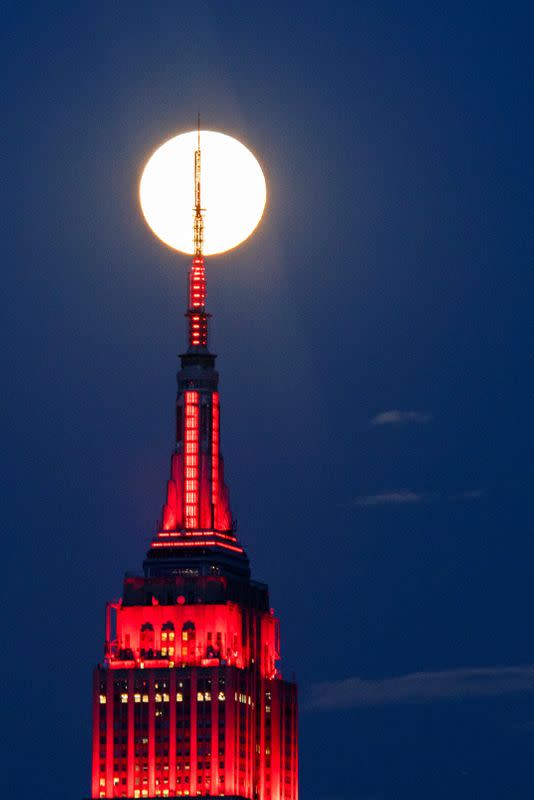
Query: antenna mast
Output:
(198,225)
(198,317)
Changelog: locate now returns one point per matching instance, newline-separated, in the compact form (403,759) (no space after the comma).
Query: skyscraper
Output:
(189,699)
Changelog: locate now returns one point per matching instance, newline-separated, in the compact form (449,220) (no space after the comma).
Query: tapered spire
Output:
(198,318)
(197,512)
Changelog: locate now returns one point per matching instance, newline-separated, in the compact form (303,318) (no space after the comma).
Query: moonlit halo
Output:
(233,191)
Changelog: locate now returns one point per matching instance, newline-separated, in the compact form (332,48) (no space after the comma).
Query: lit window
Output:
(165,697)
(124,698)
(102,781)
(207,696)
(137,698)
(116,781)
(137,793)
(184,636)
(103,699)
(171,651)
(200,697)
(222,696)
(163,636)
(179,697)
(145,698)
(158,697)
(171,636)
(267,709)
(163,651)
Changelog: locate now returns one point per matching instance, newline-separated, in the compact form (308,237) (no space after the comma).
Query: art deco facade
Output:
(189,699)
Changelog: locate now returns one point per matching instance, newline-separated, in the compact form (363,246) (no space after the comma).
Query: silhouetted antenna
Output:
(198,224)
(198,318)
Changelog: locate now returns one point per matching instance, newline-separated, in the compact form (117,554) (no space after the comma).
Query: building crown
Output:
(197,519)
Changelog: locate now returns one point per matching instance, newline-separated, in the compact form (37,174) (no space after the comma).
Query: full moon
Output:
(233,191)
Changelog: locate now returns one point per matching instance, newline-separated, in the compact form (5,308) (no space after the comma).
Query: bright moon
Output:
(233,191)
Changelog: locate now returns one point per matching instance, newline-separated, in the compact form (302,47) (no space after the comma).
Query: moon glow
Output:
(233,191)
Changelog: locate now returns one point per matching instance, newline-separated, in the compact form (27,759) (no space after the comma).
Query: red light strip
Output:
(198,323)
(209,543)
(166,534)
(215,413)
(197,284)
(191,420)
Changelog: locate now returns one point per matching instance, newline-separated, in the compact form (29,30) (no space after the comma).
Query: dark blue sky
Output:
(392,272)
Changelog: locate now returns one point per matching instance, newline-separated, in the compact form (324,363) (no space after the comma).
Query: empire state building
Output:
(189,699)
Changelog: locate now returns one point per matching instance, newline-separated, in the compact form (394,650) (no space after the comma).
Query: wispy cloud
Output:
(421,687)
(397,417)
(393,497)
(403,497)
(527,725)
(470,494)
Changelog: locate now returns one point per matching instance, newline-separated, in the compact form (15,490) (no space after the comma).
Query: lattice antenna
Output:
(198,224)
(198,318)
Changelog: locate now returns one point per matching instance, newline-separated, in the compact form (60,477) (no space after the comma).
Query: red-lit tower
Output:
(189,699)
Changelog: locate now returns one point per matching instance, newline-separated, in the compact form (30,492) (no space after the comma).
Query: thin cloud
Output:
(397,417)
(470,494)
(394,497)
(421,687)
(403,497)
(528,726)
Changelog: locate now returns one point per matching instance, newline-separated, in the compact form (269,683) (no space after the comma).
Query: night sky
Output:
(373,340)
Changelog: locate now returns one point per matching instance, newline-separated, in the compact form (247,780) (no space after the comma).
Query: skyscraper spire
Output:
(197,508)
(198,318)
